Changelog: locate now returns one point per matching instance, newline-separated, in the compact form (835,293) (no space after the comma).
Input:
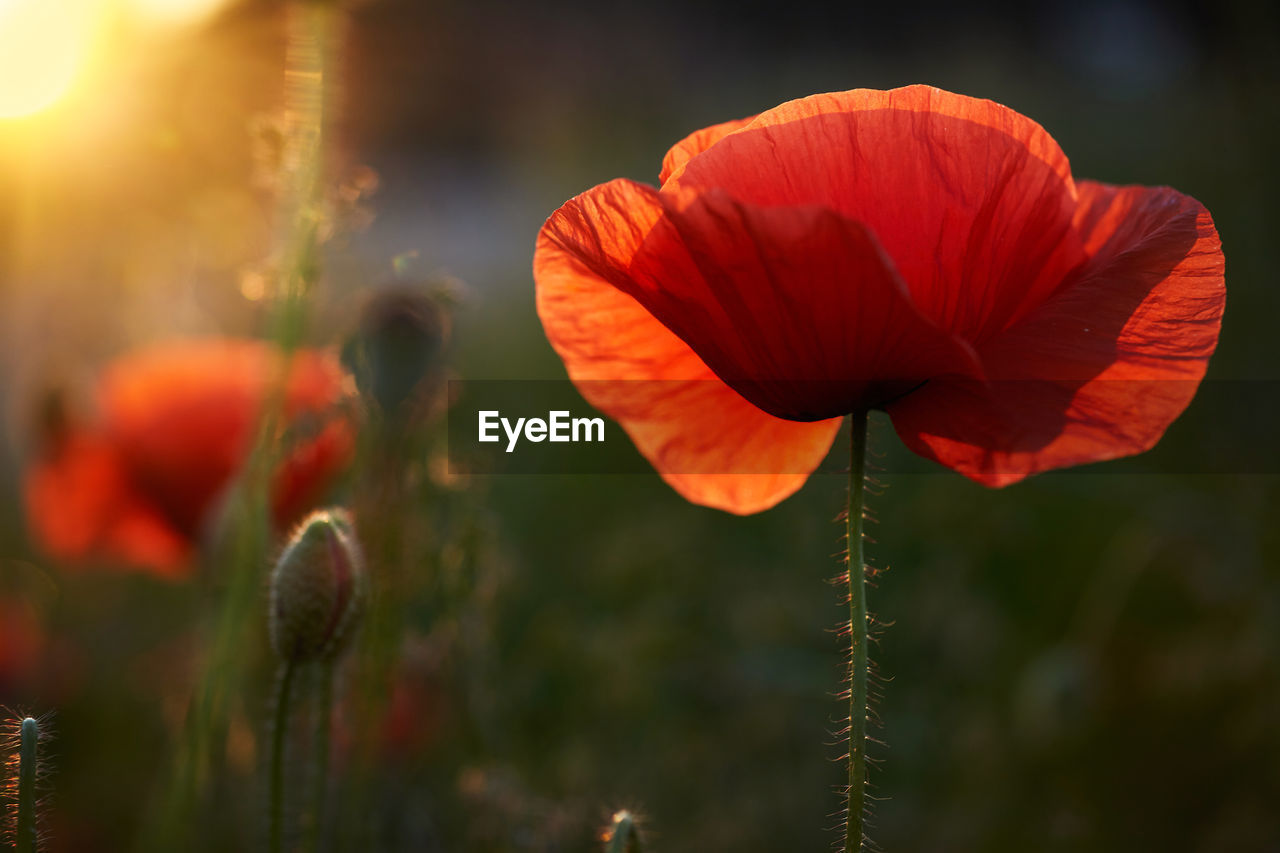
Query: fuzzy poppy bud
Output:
(317,588)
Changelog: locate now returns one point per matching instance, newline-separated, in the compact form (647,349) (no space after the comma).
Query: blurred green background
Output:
(1084,661)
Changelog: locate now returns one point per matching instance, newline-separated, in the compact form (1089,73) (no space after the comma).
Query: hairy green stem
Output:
(27,837)
(279,739)
(857,639)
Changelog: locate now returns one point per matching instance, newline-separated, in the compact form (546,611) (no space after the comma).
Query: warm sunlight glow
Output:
(173,12)
(43,48)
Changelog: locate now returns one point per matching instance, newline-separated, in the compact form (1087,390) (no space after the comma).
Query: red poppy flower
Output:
(915,251)
(175,424)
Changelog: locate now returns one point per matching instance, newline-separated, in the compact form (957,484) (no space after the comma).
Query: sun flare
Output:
(48,47)
(173,12)
(44,47)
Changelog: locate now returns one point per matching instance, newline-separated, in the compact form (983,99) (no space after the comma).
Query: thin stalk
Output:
(279,739)
(221,672)
(320,750)
(857,639)
(309,63)
(311,31)
(27,836)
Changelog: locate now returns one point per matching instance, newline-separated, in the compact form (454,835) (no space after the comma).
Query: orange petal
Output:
(972,201)
(1103,367)
(695,143)
(709,443)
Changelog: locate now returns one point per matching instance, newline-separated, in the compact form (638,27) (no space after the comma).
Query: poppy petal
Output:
(695,143)
(81,507)
(1100,369)
(176,422)
(714,447)
(796,308)
(182,413)
(973,201)
(305,473)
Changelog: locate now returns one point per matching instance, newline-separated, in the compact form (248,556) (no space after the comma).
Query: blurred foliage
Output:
(1086,661)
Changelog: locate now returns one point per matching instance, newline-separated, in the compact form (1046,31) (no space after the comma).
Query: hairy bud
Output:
(317,588)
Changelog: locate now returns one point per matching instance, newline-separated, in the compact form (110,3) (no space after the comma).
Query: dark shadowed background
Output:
(1084,661)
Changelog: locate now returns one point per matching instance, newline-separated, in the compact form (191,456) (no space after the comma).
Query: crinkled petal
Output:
(971,200)
(714,447)
(695,143)
(796,308)
(1100,369)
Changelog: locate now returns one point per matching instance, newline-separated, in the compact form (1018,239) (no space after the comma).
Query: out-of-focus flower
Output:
(174,425)
(396,354)
(22,640)
(419,712)
(915,251)
(421,705)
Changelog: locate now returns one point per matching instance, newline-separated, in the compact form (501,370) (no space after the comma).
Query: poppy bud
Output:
(396,354)
(317,588)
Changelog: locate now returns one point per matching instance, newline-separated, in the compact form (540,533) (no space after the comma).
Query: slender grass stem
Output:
(858,663)
(27,840)
(312,30)
(279,739)
(221,671)
(308,84)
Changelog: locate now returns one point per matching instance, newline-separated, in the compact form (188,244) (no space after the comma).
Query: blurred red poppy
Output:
(175,423)
(419,709)
(22,641)
(915,251)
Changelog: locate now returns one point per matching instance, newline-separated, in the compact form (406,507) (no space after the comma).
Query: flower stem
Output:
(858,663)
(279,738)
(27,838)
